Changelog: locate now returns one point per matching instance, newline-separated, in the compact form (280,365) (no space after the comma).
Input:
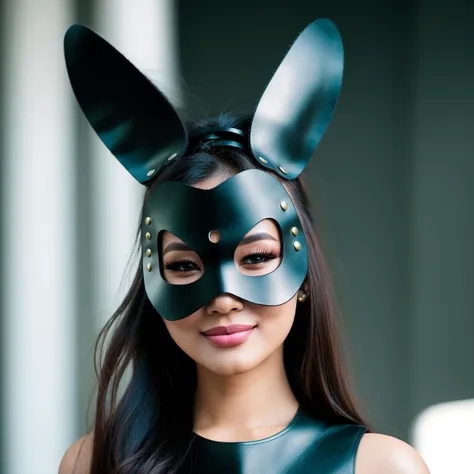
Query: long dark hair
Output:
(148,429)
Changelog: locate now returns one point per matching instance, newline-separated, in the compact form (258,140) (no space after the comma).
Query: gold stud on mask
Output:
(214,236)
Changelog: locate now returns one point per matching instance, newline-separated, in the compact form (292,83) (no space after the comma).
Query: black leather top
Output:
(305,446)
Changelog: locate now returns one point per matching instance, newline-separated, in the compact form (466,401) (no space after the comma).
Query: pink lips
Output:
(229,335)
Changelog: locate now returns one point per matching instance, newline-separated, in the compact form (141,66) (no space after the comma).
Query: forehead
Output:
(212,181)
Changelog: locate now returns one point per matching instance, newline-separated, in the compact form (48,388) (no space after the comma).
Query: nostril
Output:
(224,304)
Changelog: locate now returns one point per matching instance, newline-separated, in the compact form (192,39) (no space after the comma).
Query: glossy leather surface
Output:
(298,103)
(131,116)
(306,446)
(233,208)
(143,130)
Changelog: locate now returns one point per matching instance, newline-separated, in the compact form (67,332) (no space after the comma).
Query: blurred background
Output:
(391,184)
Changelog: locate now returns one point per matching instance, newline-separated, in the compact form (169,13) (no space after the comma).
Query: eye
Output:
(259,257)
(182,266)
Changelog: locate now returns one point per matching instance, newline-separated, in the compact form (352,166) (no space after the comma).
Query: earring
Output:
(302,296)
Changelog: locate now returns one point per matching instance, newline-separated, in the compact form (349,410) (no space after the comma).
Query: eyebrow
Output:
(249,239)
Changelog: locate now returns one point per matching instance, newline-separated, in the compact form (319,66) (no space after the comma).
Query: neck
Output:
(240,402)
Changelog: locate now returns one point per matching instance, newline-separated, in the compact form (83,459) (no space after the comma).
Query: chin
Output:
(231,366)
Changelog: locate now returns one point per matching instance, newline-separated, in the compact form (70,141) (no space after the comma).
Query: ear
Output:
(131,116)
(297,105)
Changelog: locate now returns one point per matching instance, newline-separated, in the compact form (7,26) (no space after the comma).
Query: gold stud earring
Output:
(302,296)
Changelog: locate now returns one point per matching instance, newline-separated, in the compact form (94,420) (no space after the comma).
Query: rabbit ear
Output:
(131,116)
(297,105)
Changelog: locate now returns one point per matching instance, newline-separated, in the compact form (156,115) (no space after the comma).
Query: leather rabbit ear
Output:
(131,116)
(297,105)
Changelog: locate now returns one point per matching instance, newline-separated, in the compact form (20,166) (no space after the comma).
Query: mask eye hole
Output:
(260,251)
(179,263)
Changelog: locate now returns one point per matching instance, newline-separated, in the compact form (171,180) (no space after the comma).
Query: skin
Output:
(234,383)
(238,377)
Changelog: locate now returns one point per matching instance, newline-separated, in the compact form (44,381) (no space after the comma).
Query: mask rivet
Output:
(148,252)
(283,170)
(284,205)
(297,246)
(174,155)
(148,267)
(295,231)
(263,160)
(148,221)
(151,173)
(148,236)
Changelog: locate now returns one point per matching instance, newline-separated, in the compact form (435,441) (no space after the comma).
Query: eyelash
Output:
(270,254)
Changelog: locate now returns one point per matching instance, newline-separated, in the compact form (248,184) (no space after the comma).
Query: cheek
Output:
(184,332)
(276,322)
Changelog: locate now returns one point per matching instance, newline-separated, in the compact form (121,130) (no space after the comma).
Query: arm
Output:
(379,453)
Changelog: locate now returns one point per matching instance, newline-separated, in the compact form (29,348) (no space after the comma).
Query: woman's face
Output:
(263,328)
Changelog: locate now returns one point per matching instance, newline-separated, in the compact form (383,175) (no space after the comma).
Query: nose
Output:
(224,304)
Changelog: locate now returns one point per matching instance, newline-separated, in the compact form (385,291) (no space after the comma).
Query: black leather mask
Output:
(236,206)
(144,132)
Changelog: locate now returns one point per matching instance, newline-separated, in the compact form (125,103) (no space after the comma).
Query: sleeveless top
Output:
(305,446)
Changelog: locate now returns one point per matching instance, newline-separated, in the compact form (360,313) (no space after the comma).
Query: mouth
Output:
(227,336)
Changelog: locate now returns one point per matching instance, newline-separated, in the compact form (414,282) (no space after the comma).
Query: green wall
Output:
(390,184)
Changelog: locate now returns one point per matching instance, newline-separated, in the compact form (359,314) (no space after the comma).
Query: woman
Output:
(229,324)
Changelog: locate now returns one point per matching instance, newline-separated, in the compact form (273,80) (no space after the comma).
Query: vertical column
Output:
(144,31)
(38,314)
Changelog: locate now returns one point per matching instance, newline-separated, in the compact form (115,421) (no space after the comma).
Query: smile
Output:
(228,336)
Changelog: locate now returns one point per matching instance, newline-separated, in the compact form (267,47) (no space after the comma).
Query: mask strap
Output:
(232,137)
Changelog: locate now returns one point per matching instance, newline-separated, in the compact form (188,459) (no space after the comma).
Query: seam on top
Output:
(355,446)
(264,440)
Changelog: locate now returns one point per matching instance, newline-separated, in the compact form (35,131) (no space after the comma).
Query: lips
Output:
(229,336)
(225,330)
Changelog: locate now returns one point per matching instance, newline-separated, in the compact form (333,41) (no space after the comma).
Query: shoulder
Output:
(380,453)
(78,456)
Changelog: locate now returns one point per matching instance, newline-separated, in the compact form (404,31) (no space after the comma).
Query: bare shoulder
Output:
(380,453)
(78,456)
